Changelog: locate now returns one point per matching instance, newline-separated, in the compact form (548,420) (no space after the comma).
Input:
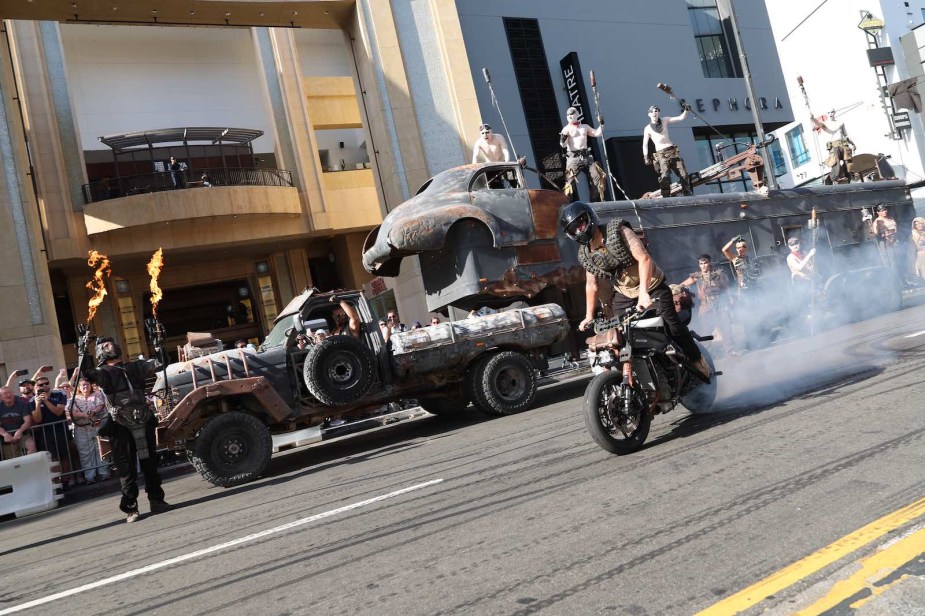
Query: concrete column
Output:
(28,327)
(54,141)
(296,149)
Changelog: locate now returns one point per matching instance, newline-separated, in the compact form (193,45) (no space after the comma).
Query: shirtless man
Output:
(574,139)
(667,157)
(490,148)
(840,147)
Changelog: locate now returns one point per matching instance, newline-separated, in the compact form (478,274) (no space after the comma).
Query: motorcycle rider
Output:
(131,429)
(614,253)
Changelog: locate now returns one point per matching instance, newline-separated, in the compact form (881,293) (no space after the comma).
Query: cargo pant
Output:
(666,161)
(576,162)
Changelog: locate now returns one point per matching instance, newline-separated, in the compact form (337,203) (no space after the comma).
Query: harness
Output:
(129,408)
(616,257)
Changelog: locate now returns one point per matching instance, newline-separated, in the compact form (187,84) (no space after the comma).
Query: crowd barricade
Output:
(27,484)
(57,438)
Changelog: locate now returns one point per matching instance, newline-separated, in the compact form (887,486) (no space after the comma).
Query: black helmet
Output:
(101,355)
(578,221)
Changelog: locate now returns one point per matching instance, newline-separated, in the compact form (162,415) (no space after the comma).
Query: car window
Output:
(495,179)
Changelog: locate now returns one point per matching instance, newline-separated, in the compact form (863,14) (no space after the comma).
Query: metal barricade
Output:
(61,439)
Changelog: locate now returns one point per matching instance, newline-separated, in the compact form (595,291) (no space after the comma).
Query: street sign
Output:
(901,119)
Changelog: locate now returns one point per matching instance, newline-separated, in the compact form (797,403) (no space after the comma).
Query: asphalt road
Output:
(813,440)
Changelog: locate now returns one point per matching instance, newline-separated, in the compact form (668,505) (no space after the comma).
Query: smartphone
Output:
(46,368)
(22,372)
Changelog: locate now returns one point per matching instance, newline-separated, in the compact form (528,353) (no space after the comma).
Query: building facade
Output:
(297,126)
(850,70)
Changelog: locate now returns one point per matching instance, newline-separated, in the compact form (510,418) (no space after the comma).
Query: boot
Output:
(703,369)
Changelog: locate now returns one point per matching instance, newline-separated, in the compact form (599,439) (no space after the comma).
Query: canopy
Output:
(211,135)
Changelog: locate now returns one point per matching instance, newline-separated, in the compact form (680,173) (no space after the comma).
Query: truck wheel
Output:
(231,449)
(339,370)
(473,384)
(508,384)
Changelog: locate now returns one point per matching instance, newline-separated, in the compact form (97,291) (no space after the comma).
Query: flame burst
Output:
(154,269)
(98,284)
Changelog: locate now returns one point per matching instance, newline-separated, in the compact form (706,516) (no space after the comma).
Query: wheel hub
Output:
(232,449)
(341,371)
(510,384)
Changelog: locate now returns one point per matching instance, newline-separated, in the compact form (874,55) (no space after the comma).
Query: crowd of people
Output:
(61,418)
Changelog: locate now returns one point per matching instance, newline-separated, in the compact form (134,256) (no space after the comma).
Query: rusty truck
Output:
(230,410)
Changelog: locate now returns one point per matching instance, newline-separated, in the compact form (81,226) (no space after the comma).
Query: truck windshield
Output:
(277,336)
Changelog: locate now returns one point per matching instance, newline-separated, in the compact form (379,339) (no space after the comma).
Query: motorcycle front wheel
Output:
(611,428)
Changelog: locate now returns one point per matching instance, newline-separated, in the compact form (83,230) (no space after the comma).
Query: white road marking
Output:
(215,548)
(916,334)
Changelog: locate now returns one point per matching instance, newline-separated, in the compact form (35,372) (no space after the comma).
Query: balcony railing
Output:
(114,188)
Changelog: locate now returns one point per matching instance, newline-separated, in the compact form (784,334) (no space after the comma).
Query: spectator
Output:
(435,321)
(416,325)
(206,180)
(176,173)
(241,343)
(15,421)
(89,407)
(49,412)
(391,325)
(481,312)
(27,390)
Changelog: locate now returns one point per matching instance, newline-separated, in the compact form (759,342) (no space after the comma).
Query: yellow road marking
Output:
(788,576)
(873,568)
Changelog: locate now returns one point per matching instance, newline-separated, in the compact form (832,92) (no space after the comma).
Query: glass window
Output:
(796,143)
(711,40)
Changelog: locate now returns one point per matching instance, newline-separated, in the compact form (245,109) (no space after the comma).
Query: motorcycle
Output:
(648,375)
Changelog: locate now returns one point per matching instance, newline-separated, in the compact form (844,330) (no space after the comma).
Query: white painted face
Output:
(654,113)
(572,114)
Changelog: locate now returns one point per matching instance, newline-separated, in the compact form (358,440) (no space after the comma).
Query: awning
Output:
(192,134)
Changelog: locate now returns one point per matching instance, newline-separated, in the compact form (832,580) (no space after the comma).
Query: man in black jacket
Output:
(131,429)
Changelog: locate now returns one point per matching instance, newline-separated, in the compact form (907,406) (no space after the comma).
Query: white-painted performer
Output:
(490,148)
(840,146)
(667,157)
(574,139)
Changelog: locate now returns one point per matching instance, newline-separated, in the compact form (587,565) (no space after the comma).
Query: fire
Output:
(98,284)
(154,269)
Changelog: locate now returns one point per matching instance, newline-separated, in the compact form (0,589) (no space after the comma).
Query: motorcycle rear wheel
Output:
(603,410)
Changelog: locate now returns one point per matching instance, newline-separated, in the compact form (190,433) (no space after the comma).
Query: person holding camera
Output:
(48,411)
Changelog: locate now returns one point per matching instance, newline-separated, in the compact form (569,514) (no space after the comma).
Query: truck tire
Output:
(231,449)
(473,384)
(339,370)
(507,384)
